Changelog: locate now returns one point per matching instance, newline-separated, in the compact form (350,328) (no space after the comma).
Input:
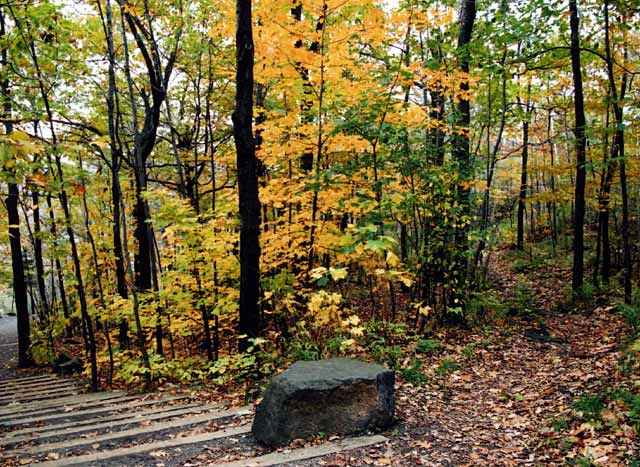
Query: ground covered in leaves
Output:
(554,385)
(549,385)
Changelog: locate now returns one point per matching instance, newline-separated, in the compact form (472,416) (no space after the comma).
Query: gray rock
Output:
(331,397)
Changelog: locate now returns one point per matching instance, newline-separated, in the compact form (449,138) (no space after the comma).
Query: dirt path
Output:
(497,409)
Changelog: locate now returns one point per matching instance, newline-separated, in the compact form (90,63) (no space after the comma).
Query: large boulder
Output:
(331,397)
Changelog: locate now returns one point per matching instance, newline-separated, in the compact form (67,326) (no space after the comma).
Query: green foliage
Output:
(390,355)
(631,315)
(382,340)
(413,373)
(585,292)
(428,346)
(582,461)
(523,300)
(589,407)
(560,424)
(566,444)
(485,305)
(43,335)
(131,370)
(250,366)
(526,264)
(304,350)
(447,366)
(469,350)
(632,401)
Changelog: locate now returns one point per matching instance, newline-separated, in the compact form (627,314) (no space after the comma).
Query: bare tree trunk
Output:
(620,147)
(17,264)
(461,142)
(524,172)
(247,165)
(581,173)
(116,160)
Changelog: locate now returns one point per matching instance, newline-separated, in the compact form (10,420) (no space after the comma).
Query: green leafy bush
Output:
(632,401)
(389,355)
(523,300)
(447,366)
(589,407)
(560,424)
(413,373)
(631,315)
(485,305)
(428,346)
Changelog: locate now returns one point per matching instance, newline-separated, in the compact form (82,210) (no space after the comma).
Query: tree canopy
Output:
(202,190)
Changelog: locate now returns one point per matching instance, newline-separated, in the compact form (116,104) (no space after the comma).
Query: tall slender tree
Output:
(17,263)
(461,143)
(247,166)
(580,148)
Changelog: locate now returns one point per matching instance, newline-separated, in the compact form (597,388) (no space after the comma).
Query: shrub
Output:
(632,402)
(447,366)
(389,355)
(427,346)
(589,407)
(523,300)
(631,315)
(485,304)
(413,373)
(560,424)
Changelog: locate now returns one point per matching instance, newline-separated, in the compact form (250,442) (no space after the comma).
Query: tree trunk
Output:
(580,145)
(247,166)
(523,186)
(37,253)
(17,263)
(19,285)
(116,159)
(522,196)
(618,142)
(461,142)
(58,266)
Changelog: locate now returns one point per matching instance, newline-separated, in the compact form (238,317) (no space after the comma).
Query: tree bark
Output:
(116,160)
(523,186)
(580,148)
(524,172)
(17,264)
(461,141)
(247,166)
(619,147)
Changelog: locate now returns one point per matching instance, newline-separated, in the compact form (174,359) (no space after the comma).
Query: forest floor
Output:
(504,394)
(534,390)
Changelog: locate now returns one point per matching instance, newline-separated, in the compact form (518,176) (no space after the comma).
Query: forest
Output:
(207,191)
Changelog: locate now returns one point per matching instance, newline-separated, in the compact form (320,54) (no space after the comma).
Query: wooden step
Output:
(96,457)
(67,408)
(108,422)
(267,460)
(34,406)
(78,423)
(182,422)
(37,385)
(277,458)
(28,379)
(72,414)
(53,394)
(25,393)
